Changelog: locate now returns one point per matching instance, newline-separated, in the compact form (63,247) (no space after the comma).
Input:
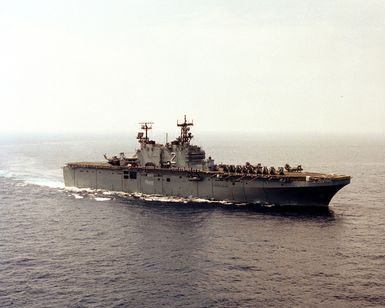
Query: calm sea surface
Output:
(61,248)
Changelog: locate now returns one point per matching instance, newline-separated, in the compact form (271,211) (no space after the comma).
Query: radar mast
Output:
(185,135)
(146,126)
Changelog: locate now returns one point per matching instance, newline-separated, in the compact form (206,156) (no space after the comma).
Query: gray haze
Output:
(261,66)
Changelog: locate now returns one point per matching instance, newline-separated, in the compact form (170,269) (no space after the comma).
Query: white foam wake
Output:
(100,195)
(34,180)
(45,182)
(101,199)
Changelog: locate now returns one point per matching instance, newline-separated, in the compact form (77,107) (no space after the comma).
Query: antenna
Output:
(146,126)
(185,135)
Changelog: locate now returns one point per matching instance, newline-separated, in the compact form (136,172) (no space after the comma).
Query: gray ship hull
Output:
(306,190)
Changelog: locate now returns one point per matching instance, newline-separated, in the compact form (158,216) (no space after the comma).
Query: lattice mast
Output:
(146,126)
(185,135)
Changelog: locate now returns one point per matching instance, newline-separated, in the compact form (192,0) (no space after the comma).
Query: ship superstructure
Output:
(181,169)
(177,154)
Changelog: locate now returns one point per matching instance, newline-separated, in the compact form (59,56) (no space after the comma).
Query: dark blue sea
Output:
(71,248)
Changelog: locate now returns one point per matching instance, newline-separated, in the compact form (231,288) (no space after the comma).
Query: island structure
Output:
(181,169)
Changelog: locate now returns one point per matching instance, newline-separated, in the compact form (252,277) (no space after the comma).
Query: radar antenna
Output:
(185,135)
(146,126)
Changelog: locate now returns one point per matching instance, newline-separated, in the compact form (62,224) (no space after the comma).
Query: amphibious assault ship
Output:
(181,169)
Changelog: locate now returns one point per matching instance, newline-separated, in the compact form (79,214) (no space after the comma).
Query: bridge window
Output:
(168,179)
(133,175)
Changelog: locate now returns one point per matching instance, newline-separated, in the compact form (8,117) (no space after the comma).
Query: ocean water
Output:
(71,248)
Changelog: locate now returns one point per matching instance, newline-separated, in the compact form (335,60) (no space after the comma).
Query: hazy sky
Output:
(258,65)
